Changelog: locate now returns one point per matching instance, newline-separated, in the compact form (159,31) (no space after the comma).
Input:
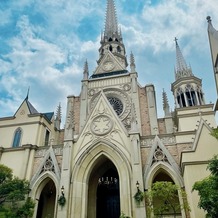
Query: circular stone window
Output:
(116,104)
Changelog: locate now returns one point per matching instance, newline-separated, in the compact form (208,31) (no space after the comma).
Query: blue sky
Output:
(44,44)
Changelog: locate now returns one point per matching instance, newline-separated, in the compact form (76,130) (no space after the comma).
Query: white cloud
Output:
(48,51)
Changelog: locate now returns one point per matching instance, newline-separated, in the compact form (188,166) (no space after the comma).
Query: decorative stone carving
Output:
(48,165)
(41,152)
(164,140)
(126,87)
(91,92)
(119,94)
(101,125)
(22,112)
(159,155)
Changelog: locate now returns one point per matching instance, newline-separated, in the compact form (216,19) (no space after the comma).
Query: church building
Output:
(113,143)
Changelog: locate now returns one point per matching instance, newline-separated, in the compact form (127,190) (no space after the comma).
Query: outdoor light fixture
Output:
(107,181)
(137,185)
(62,190)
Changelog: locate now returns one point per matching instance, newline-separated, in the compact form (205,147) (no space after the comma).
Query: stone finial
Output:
(166,107)
(208,19)
(132,63)
(86,71)
(58,117)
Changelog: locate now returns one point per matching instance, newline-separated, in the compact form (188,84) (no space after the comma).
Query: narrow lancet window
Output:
(17,138)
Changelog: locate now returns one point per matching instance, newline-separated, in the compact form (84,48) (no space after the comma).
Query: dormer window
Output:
(111,48)
(17,138)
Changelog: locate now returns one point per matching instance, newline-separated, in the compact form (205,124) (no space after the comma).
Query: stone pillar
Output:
(138,210)
(152,109)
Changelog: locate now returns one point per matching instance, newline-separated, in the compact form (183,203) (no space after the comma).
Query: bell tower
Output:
(112,54)
(187,89)
(190,106)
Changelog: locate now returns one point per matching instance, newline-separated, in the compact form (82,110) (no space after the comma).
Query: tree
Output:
(208,190)
(13,195)
(163,199)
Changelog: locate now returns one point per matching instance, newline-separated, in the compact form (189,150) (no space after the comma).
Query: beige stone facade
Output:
(112,139)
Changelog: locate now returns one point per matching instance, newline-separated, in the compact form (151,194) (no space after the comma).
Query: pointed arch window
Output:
(191,96)
(17,138)
(200,96)
(47,135)
(111,48)
(118,49)
(181,98)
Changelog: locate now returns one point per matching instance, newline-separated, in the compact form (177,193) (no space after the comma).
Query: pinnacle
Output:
(111,26)
(182,70)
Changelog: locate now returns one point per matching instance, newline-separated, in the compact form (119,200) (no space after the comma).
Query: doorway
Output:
(104,191)
(46,205)
(108,196)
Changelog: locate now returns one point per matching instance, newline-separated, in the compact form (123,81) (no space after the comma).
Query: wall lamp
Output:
(137,185)
(62,190)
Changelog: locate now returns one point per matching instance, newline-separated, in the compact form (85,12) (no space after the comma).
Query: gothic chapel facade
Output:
(112,139)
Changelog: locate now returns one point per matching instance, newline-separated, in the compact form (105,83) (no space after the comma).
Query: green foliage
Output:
(123,215)
(13,192)
(163,199)
(139,197)
(62,200)
(208,190)
(215,133)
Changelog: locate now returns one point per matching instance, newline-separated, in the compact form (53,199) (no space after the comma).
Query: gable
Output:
(109,63)
(102,124)
(50,164)
(159,153)
(205,146)
(25,108)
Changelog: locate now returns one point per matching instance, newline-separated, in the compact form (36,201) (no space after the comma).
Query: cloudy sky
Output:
(44,44)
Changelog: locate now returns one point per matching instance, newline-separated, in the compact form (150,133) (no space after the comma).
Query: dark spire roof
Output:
(111,26)
(182,70)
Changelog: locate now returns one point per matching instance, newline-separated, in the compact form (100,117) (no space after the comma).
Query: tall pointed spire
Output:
(213,40)
(182,70)
(112,49)
(111,26)
(187,88)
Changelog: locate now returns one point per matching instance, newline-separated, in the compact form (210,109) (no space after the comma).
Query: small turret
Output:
(187,88)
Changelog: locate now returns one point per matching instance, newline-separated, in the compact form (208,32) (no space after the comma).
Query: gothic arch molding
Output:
(166,168)
(84,167)
(39,184)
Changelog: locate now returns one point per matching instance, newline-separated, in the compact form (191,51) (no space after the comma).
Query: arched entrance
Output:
(166,203)
(104,193)
(46,205)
